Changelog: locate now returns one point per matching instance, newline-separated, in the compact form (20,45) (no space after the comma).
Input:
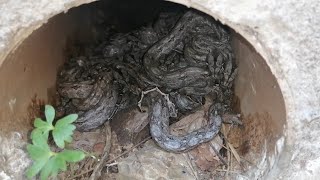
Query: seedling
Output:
(45,161)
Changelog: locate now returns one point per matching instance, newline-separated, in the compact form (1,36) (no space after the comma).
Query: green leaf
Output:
(53,166)
(68,139)
(38,153)
(58,162)
(40,156)
(68,119)
(43,126)
(39,123)
(50,113)
(63,130)
(45,161)
(39,138)
(35,169)
(61,163)
(48,169)
(72,155)
(49,162)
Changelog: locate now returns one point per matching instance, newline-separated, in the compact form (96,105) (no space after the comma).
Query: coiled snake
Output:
(192,61)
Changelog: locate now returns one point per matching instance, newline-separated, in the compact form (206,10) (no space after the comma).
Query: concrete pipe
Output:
(278,86)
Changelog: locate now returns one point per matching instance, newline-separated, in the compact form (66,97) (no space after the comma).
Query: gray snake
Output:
(188,59)
(209,66)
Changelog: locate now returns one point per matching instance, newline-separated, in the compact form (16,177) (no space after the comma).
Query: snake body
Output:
(188,58)
(209,68)
(159,127)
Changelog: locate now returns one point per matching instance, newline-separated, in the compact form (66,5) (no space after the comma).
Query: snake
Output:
(188,56)
(209,68)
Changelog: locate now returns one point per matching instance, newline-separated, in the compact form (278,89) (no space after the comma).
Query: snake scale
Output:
(187,56)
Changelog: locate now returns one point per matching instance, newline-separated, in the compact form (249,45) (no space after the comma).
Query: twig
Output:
(219,155)
(229,146)
(81,174)
(234,152)
(228,152)
(222,145)
(143,93)
(142,96)
(195,174)
(97,169)
(112,164)
(129,150)
(108,162)
(109,165)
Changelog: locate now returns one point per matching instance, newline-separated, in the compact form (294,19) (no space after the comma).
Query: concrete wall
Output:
(284,33)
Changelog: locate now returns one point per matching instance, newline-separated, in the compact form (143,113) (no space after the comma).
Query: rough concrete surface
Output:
(13,159)
(285,33)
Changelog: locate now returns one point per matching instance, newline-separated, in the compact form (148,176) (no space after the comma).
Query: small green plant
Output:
(45,160)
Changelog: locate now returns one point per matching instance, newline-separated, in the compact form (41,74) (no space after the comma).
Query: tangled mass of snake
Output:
(176,62)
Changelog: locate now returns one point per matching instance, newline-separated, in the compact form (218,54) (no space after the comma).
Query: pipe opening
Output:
(28,79)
